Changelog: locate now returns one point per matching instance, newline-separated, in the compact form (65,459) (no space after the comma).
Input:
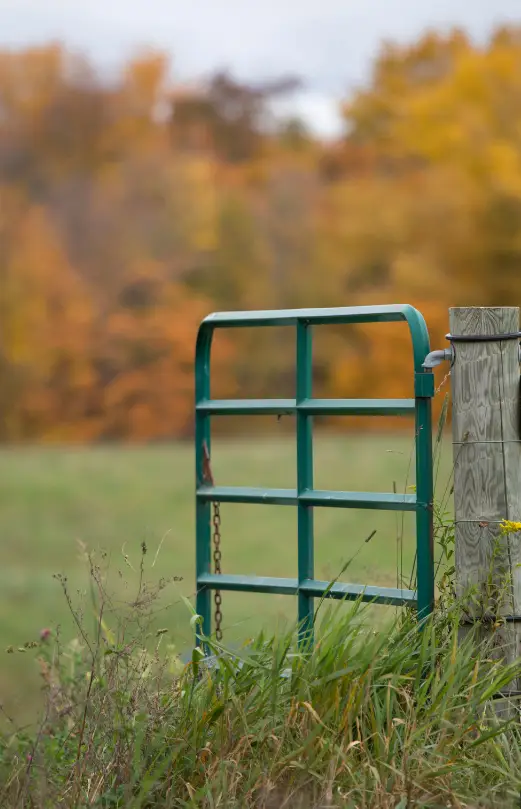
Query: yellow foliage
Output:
(197,176)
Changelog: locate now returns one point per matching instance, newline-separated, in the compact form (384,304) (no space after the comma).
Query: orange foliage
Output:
(129,210)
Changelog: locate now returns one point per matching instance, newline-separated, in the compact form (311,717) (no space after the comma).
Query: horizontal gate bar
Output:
(281,407)
(312,587)
(247,407)
(378,595)
(248,584)
(382,501)
(312,497)
(336,315)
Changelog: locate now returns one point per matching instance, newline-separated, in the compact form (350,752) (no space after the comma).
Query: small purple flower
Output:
(45,634)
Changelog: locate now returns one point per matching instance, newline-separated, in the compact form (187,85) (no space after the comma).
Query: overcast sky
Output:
(329,43)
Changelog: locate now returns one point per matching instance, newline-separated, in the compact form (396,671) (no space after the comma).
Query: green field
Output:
(114,499)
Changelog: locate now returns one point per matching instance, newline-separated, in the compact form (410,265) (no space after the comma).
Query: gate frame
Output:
(304,496)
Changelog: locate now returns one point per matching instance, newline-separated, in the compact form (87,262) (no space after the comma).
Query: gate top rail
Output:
(334,315)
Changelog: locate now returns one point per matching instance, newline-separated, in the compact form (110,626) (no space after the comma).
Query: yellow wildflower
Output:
(509,527)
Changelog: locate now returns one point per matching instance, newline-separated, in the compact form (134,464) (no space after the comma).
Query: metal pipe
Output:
(437,357)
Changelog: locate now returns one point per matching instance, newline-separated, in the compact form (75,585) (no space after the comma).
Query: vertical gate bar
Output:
(203,513)
(424,509)
(304,480)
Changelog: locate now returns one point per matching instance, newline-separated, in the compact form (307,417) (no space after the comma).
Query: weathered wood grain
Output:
(487,467)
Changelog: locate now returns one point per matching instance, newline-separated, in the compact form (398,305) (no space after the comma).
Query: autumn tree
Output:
(227,116)
(131,207)
(445,117)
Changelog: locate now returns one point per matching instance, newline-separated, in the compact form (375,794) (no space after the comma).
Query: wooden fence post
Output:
(487,470)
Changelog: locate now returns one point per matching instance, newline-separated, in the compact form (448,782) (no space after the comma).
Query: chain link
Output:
(442,383)
(217,568)
(216,519)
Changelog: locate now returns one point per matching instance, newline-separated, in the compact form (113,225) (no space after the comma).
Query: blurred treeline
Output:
(132,207)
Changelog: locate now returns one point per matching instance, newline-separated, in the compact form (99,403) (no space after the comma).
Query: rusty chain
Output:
(217,567)
(216,519)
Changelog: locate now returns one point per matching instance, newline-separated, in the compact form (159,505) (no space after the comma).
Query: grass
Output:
(378,715)
(113,499)
(371,719)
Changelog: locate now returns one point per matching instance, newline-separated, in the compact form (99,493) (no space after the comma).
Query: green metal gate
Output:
(304,496)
